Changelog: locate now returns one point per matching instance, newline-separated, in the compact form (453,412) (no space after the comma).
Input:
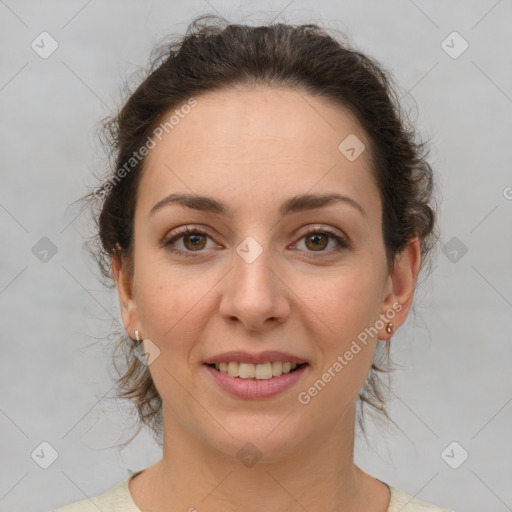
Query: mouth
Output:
(261,371)
(256,381)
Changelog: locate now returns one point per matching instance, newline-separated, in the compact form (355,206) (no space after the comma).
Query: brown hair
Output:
(215,54)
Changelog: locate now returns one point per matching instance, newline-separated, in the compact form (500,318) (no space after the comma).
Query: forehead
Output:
(284,121)
(255,143)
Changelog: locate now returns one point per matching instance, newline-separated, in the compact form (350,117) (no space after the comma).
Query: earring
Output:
(389,328)
(137,337)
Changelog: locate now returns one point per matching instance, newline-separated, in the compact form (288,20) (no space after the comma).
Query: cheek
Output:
(344,303)
(171,303)
(341,311)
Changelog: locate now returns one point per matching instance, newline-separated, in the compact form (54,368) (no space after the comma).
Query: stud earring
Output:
(389,328)
(137,337)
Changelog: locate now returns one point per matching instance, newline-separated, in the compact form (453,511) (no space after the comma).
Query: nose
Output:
(254,294)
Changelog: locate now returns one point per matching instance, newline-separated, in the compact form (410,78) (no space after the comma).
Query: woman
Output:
(265,224)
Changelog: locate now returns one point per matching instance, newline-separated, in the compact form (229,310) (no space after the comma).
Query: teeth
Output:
(246,371)
(277,368)
(261,371)
(233,369)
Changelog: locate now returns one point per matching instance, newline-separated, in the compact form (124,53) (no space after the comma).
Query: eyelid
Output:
(183,230)
(340,238)
(176,234)
(343,242)
(322,229)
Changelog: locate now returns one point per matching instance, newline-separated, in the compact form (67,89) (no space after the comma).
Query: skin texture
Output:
(253,149)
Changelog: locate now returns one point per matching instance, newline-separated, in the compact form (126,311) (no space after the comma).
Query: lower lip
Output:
(255,388)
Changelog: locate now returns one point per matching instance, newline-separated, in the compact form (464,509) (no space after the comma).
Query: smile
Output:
(261,371)
(263,383)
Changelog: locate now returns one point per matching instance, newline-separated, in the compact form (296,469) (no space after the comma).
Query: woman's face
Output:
(274,268)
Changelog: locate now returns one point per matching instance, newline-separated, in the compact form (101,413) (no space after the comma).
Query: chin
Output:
(265,437)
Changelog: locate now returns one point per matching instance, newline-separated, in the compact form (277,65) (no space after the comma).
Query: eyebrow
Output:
(294,204)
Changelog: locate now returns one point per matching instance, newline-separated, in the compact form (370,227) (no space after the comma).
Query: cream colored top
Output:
(119,499)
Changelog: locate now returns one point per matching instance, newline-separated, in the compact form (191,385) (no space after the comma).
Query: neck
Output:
(319,475)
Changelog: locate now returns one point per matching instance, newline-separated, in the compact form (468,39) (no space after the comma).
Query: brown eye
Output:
(317,241)
(188,241)
(193,241)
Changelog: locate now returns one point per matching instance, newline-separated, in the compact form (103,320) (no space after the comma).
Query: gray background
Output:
(454,382)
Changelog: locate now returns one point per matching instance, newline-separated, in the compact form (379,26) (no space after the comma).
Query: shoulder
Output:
(403,502)
(115,499)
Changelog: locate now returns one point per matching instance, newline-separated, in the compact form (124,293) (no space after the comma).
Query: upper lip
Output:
(241,356)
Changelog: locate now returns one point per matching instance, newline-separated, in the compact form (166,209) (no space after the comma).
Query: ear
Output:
(123,278)
(400,286)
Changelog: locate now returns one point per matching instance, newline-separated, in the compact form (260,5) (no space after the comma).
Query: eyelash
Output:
(342,242)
